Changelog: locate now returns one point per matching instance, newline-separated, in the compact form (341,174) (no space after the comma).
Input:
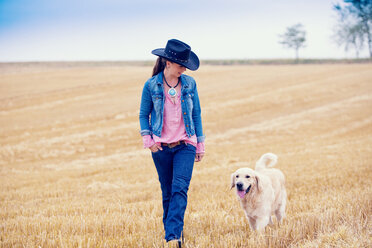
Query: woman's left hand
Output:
(199,157)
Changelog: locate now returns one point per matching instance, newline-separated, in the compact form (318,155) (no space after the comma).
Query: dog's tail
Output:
(266,160)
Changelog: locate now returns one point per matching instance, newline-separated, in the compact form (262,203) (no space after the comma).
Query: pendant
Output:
(172,92)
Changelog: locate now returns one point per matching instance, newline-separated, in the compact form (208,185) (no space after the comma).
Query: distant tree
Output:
(294,38)
(350,35)
(360,12)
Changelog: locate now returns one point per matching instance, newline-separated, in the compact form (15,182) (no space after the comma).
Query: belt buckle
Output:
(171,145)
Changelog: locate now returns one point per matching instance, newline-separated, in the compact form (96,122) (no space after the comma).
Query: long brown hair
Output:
(159,66)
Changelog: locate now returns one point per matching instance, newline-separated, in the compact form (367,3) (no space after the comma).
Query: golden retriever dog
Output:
(261,192)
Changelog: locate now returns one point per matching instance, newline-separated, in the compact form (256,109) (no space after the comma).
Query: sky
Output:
(111,30)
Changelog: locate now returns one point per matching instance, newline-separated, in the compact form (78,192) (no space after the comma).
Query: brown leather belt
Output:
(174,144)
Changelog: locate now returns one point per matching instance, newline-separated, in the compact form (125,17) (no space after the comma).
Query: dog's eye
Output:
(247,176)
(237,176)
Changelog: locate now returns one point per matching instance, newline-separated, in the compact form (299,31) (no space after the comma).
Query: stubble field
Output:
(73,172)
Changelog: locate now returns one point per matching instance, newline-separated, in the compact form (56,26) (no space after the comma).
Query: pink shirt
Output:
(173,126)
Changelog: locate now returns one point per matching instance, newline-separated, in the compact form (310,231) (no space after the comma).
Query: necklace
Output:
(172,91)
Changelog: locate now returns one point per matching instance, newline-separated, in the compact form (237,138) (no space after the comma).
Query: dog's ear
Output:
(233,180)
(258,184)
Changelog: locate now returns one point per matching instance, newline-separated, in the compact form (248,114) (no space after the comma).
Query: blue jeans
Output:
(174,167)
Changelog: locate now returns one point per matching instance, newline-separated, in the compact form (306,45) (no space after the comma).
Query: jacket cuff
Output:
(145,132)
(200,139)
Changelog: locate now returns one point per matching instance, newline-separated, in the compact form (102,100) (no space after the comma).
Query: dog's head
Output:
(245,180)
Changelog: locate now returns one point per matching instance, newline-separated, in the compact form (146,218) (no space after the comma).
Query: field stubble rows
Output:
(74,174)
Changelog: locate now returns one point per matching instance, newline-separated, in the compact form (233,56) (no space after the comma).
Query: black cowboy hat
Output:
(180,53)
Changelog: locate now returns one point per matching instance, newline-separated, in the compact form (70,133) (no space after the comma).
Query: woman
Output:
(171,127)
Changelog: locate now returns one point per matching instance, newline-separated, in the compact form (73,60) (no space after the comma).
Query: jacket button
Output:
(187,125)
(183,100)
(184,113)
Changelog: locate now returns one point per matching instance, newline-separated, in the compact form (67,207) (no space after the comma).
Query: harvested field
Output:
(73,172)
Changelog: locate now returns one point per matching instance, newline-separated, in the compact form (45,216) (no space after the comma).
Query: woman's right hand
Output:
(155,147)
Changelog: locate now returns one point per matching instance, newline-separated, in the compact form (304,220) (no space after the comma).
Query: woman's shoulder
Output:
(188,79)
(153,80)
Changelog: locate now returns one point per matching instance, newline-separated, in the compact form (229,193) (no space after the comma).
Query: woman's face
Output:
(175,69)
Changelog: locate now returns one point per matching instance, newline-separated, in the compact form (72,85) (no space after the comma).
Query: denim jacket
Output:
(152,104)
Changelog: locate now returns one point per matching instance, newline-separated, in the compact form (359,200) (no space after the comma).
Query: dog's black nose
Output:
(239,186)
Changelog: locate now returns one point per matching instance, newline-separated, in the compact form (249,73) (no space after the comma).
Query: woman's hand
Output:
(199,157)
(155,147)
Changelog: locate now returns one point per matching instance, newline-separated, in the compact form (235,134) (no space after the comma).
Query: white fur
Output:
(267,195)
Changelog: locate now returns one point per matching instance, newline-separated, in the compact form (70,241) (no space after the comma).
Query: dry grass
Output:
(73,172)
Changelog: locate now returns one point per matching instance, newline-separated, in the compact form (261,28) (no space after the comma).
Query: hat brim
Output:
(192,64)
